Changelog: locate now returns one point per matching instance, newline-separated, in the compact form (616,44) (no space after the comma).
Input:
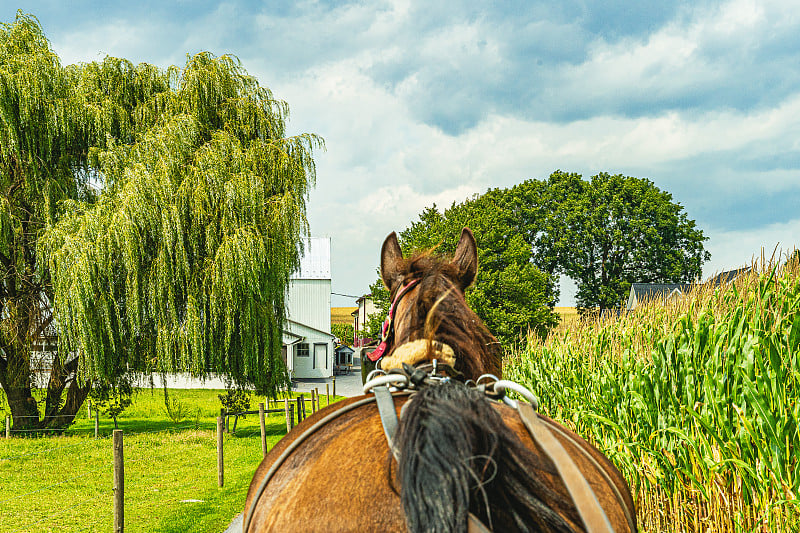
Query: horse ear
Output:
(391,261)
(466,258)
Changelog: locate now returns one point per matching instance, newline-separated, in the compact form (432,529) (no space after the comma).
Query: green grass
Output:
(64,483)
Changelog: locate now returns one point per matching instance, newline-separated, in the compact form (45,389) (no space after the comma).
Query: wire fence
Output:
(66,482)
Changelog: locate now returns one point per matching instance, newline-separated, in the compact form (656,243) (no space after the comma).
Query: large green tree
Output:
(154,216)
(510,293)
(611,231)
(605,233)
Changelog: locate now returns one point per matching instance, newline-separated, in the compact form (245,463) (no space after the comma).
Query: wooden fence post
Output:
(263,429)
(313,401)
(96,423)
(299,412)
(119,483)
(328,393)
(289,415)
(8,427)
(319,405)
(334,386)
(220,461)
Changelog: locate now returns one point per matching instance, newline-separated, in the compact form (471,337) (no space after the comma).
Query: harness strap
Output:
(629,514)
(593,516)
(388,416)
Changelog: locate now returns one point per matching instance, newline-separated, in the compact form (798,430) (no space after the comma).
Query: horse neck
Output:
(477,351)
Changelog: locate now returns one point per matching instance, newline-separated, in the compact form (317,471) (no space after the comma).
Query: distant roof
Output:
(316,260)
(727,276)
(651,290)
(295,323)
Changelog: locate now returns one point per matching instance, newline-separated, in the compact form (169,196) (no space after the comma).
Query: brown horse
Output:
(458,461)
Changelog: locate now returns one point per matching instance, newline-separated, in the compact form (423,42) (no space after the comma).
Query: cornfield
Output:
(695,400)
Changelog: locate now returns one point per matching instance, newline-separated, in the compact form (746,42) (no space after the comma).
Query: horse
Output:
(439,453)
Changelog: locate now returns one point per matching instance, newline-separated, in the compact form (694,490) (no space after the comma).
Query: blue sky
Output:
(421,102)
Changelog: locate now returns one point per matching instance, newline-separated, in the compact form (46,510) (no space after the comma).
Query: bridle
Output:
(387,329)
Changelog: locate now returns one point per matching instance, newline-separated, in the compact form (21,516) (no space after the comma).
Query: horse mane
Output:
(442,314)
(457,457)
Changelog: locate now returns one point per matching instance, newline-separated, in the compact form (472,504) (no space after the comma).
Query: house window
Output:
(301,350)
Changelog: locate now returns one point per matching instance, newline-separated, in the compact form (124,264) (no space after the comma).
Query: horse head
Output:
(429,317)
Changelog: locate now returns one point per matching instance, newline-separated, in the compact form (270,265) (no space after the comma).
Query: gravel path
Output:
(346,385)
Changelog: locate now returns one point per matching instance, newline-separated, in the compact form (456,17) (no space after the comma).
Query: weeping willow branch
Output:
(160,211)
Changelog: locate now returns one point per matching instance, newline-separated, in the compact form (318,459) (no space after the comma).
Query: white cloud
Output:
(665,105)
(406,203)
(144,41)
(733,249)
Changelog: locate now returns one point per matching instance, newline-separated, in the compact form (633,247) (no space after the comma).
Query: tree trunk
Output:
(15,378)
(24,410)
(57,416)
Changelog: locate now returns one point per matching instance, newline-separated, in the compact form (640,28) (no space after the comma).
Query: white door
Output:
(321,356)
(302,360)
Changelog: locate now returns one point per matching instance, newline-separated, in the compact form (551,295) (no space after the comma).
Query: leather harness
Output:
(541,431)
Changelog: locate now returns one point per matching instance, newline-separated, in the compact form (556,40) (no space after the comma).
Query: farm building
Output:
(344,359)
(308,345)
(728,276)
(366,308)
(641,292)
(668,291)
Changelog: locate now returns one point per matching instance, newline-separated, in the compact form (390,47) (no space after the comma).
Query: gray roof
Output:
(652,290)
(344,348)
(727,276)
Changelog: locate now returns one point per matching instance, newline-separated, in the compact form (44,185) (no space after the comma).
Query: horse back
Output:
(342,476)
(339,479)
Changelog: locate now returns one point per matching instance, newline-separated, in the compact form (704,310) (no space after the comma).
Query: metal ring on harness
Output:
(502,385)
(486,376)
(375,371)
(386,379)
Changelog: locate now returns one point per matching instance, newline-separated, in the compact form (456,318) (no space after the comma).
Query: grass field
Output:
(64,483)
(341,315)
(568,315)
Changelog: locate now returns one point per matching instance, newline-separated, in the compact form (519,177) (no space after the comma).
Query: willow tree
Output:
(152,216)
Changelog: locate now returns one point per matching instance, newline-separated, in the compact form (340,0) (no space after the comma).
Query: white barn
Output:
(307,340)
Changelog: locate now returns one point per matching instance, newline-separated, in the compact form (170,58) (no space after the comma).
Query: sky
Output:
(422,102)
